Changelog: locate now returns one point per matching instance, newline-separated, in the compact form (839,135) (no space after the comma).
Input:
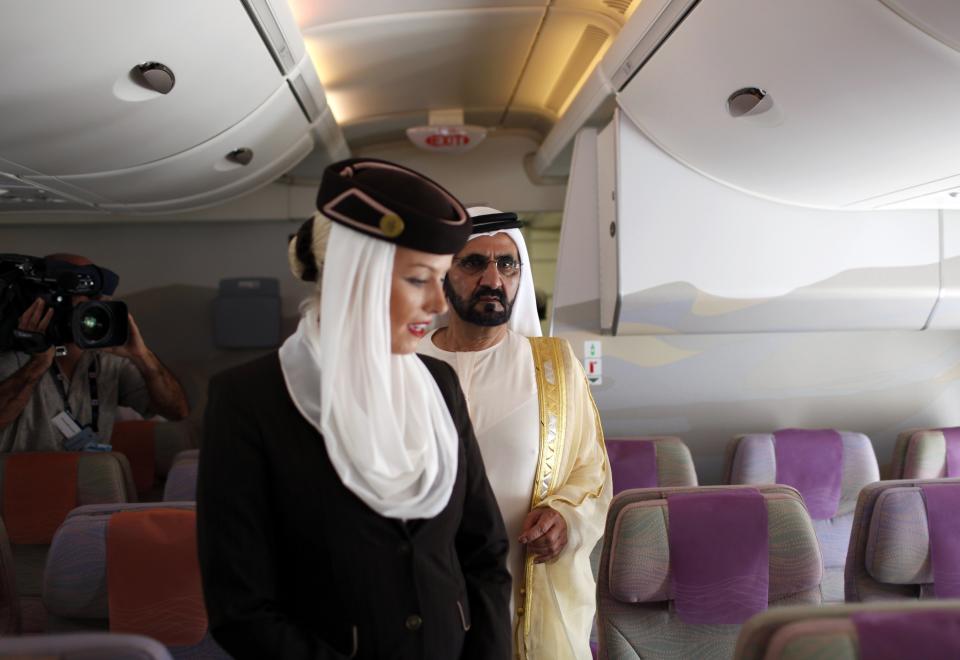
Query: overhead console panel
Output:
(856,101)
(134,106)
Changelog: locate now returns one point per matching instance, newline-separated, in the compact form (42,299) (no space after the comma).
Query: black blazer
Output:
(295,566)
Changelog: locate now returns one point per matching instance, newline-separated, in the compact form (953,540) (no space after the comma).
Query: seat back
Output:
(752,459)
(126,568)
(102,646)
(182,481)
(890,545)
(37,491)
(635,591)
(830,631)
(921,454)
(246,313)
(11,620)
(150,448)
(650,462)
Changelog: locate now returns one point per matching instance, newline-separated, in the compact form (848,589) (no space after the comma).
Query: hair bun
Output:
(303,263)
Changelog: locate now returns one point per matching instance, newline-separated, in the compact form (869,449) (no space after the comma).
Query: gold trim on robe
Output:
(572,477)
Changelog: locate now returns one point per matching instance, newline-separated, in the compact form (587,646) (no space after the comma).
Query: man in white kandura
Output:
(539,434)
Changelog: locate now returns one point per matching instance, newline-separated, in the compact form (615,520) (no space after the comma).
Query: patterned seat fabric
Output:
(800,632)
(151,448)
(101,646)
(674,468)
(751,459)
(182,481)
(890,543)
(636,615)
(76,587)
(100,478)
(919,454)
(674,465)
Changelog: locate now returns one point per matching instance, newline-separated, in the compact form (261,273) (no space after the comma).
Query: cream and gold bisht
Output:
(558,598)
(532,389)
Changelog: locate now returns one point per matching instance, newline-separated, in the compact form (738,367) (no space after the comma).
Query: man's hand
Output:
(544,533)
(166,394)
(135,349)
(35,319)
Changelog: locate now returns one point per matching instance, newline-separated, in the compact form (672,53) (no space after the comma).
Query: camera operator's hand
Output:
(135,349)
(35,319)
(166,394)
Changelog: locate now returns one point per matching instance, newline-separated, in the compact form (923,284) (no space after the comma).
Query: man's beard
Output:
(477,312)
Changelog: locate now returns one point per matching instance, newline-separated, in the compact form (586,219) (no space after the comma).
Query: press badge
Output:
(66,424)
(74,437)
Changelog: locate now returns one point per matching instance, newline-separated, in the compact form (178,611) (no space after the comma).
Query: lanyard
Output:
(60,381)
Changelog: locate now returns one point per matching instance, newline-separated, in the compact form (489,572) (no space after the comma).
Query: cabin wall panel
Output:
(578,231)
(608,221)
(708,388)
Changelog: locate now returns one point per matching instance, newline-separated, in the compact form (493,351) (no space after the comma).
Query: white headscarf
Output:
(387,429)
(524,319)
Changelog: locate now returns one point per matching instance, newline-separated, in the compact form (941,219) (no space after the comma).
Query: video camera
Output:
(91,324)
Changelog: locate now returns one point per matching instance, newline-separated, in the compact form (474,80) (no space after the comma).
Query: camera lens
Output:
(98,324)
(95,324)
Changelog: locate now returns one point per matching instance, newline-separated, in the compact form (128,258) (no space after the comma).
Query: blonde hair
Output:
(299,257)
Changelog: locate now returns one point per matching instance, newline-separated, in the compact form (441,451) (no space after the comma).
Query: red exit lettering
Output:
(455,140)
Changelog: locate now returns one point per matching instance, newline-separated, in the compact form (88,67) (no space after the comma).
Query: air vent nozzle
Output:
(155,76)
(749,101)
(241,156)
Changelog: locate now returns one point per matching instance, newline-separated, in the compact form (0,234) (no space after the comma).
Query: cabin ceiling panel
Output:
(570,44)
(312,13)
(68,99)
(616,10)
(416,62)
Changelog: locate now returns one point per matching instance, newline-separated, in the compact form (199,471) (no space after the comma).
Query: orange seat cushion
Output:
(153,576)
(39,490)
(135,440)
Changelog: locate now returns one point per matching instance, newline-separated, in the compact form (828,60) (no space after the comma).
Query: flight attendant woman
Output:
(343,508)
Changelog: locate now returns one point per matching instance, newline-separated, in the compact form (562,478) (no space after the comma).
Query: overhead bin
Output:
(861,102)
(681,253)
(861,97)
(75,105)
(263,137)
(127,106)
(240,186)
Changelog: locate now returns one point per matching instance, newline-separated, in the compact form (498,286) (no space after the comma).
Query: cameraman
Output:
(34,389)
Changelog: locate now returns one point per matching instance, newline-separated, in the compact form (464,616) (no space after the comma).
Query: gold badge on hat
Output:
(391,225)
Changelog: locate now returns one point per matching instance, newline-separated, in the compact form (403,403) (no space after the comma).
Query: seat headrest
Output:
(39,489)
(639,554)
(75,582)
(898,545)
(75,646)
(800,631)
(925,455)
(753,461)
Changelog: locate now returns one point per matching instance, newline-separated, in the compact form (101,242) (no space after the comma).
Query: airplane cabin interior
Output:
(743,216)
